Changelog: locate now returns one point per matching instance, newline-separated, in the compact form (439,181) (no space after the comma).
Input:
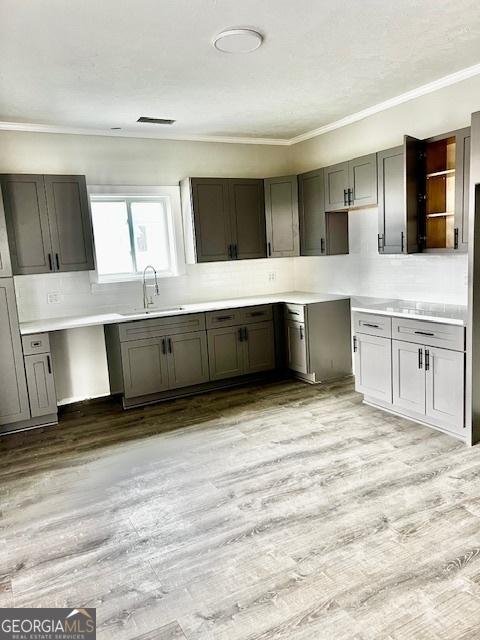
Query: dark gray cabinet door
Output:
(297,347)
(187,359)
(247,214)
(225,352)
(70,225)
(5,264)
(27,223)
(281,212)
(408,363)
(336,187)
(391,200)
(462,189)
(13,386)
(413,150)
(211,210)
(363,180)
(259,345)
(41,385)
(145,368)
(311,204)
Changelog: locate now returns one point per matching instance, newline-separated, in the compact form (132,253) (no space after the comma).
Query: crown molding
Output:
(430,87)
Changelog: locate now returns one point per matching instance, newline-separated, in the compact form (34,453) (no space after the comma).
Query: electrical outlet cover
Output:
(53,297)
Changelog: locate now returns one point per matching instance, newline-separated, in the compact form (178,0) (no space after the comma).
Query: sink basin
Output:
(150,312)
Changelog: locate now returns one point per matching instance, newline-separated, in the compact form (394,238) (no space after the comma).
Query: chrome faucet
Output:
(146,301)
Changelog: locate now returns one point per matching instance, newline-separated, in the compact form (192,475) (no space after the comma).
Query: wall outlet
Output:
(53,297)
(272,276)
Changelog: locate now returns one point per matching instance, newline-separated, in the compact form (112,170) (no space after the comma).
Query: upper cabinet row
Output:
(48,223)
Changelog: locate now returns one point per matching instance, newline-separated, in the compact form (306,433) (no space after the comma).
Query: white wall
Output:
(79,355)
(417,277)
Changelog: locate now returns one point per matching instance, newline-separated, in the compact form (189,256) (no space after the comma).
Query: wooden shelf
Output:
(445,172)
(442,214)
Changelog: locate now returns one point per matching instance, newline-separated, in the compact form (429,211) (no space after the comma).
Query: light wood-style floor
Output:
(285,511)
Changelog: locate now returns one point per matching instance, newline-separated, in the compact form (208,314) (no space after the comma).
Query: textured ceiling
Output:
(103,63)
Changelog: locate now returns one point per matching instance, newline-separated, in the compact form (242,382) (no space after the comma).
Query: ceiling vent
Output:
(155,120)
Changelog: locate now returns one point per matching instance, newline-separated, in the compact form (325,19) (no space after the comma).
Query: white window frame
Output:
(174,221)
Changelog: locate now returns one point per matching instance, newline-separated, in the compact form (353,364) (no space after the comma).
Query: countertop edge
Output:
(418,316)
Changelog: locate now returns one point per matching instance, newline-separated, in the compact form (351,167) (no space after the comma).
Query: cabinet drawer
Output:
(435,334)
(223,318)
(256,314)
(295,312)
(35,343)
(155,327)
(372,324)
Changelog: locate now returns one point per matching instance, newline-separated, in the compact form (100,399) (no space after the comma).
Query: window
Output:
(132,231)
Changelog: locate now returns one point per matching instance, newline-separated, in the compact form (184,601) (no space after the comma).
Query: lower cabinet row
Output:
(415,379)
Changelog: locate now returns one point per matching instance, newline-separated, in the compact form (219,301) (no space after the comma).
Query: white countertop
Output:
(432,311)
(75,322)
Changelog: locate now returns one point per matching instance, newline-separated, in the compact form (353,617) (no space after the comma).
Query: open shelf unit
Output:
(440,174)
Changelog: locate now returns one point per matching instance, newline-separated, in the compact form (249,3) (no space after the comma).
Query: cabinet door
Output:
(259,347)
(41,385)
(297,347)
(247,210)
(187,359)
(213,234)
(445,387)
(373,366)
(462,189)
(13,386)
(336,187)
(225,352)
(144,364)
(70,223)
(5,264)
(27,224)
(414,152)
(408,376)
(311,205)
(391,200)
(363,180)
(281,211)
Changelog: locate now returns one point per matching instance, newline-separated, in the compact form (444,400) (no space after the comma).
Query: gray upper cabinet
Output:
(187,359)
(320,233)
(336,187)
(41,385)
(399,197)
(247,210)
(311,206)
(5,264)
(210,201)
(14,405)
(223,219)
(48,223)
(462,189)
(281,212)
(362,179)
(70,224)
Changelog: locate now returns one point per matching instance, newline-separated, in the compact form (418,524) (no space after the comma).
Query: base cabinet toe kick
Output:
(413,368)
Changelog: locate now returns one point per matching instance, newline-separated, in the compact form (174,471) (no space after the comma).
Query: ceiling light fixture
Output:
(238,41)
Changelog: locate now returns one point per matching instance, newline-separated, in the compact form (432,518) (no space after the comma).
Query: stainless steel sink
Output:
(150,312)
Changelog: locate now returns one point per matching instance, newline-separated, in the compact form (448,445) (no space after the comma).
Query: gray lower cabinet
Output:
(225,352)
(48,223)
(240,350)
(14,405)
(445,387)
(187,359)
(373,366)
(41,385)
(408,376)
(296,347)
(281,213)
(321,233)
(153,365)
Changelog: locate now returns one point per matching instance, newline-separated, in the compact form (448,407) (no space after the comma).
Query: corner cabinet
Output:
(321,233)
(223,219)
(48,223)
(281,212)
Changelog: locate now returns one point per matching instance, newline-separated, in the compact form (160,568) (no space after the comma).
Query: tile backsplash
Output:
(70,294)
